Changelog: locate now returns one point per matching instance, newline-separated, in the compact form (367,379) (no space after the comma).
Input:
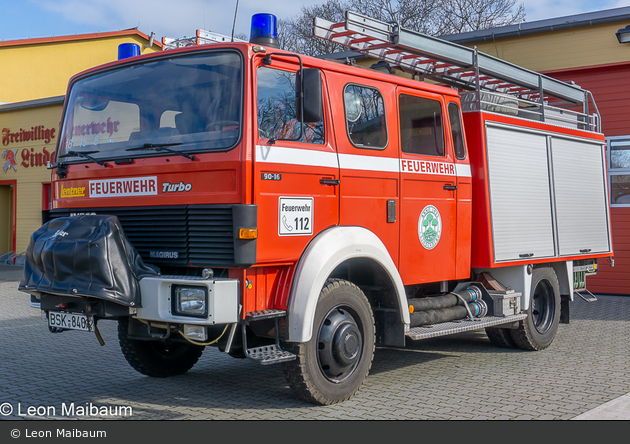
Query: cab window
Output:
(365,117)
(421,126)
(456,129)
(277,115)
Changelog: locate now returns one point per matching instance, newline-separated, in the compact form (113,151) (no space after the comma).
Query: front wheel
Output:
(538,330)
(159,359)
(333,364)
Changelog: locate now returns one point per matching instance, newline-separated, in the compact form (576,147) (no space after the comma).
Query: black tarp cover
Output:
(86,255)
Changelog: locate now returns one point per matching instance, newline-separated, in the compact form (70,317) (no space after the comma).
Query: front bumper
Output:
(158,304)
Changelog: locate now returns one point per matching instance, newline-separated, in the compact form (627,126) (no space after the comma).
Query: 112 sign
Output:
(295,216)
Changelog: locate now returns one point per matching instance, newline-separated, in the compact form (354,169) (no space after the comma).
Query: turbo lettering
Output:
(427,167)
(176,187)
(136,186)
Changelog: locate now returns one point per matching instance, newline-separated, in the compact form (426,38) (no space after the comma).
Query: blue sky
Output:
(23,19)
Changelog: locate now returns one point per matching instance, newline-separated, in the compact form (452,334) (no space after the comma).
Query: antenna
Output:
(151,39)
(234,24)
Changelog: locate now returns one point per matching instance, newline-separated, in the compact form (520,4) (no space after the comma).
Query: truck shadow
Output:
(219,383)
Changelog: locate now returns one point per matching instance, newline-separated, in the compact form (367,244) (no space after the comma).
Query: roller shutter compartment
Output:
(520,194)
(580,196)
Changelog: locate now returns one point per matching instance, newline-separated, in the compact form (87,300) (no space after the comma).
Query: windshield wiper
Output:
(162,147)
(85,155)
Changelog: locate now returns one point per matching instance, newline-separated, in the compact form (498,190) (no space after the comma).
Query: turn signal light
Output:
(248,233)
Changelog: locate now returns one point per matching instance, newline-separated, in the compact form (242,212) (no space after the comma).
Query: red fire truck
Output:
(297,210)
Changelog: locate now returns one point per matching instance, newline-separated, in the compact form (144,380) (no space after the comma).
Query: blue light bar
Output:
(126,50)
(264,30)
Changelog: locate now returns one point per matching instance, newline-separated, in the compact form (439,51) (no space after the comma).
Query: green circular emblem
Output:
(429,227)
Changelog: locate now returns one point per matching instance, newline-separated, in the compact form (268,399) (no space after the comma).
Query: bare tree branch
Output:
(433,17)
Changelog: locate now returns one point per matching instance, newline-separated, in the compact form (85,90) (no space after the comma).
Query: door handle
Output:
(329,181)
(450,187)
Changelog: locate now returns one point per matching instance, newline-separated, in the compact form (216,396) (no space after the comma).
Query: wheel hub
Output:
(346,344)
(339,344)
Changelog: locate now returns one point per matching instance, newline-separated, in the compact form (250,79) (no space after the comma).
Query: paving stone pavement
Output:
(463,377)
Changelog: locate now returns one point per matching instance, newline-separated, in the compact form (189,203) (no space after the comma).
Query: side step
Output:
(592,297)
(460,326)
(267,354)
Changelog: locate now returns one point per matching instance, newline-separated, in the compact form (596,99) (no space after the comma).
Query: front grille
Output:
(191,235)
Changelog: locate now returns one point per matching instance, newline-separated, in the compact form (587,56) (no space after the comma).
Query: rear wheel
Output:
(158,359)
(500,337)
(538,330)
(332,366)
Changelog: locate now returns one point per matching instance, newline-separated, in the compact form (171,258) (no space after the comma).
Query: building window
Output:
(619,170)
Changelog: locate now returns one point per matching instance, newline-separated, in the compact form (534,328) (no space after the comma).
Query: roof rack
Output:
(498,86)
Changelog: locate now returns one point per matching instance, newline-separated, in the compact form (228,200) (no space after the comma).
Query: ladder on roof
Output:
(456,65)
(202,38)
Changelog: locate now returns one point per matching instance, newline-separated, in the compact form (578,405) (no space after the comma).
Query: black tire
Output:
(538,330)
(332,366)
(159,359)
(500,337)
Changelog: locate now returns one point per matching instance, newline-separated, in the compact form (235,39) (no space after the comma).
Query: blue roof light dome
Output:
(264,30)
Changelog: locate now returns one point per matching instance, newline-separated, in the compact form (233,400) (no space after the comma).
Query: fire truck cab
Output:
(296,210)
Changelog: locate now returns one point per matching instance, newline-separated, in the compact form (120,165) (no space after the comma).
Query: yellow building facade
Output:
(34,75)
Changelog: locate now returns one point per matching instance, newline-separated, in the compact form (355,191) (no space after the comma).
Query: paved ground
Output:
(585,374)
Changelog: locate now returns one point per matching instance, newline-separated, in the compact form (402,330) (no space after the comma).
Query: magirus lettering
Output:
(168,187)
(163,254)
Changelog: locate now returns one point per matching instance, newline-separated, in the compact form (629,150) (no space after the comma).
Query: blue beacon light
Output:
(264,30)
(126,50)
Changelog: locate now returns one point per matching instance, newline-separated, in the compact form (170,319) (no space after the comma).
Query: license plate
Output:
(71,321)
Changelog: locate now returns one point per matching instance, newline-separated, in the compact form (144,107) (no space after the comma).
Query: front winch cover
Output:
(86,255)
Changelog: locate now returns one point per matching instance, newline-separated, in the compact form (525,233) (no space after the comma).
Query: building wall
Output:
(37,68)
(29,166)
(592,57)
(564,49)
(610,85)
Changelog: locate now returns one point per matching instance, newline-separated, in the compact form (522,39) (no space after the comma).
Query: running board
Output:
(460,326)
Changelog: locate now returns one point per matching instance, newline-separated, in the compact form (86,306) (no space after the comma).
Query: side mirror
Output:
(310,82)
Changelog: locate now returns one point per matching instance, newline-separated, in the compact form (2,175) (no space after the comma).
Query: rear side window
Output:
(365,117)
(421,127)
(456,129)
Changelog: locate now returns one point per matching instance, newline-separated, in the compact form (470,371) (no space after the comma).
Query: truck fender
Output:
(515,277)
(519,279)
(564,271)
(323,255)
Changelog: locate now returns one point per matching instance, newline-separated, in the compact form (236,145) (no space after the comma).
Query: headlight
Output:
(190,301)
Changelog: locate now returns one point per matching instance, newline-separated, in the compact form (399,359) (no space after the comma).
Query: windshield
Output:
(173,105)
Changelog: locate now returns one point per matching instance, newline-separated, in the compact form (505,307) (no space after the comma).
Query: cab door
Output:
(296,171)
(368,156)
(428,190)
